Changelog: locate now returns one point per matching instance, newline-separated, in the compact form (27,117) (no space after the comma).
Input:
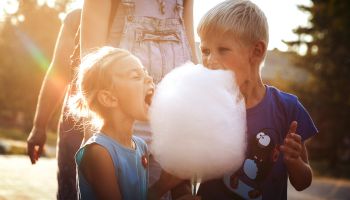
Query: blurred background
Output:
(309,55)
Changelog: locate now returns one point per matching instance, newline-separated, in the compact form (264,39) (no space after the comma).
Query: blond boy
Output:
(234,36)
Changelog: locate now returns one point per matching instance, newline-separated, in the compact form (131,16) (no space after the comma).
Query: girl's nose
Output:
(149,80)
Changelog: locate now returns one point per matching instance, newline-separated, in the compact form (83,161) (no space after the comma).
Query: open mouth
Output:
(148,98)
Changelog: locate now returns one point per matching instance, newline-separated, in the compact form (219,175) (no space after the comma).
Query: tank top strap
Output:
(102,140)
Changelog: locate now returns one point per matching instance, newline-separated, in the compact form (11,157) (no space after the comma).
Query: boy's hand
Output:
(292,147)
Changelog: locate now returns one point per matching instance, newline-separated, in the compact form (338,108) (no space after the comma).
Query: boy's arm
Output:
(98,169)
(188,22)
(296,159)
(54,86)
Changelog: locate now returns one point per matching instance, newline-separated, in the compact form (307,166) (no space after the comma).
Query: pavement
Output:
(20,180)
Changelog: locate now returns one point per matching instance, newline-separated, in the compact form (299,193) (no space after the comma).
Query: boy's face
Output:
(133,88)
(224,52)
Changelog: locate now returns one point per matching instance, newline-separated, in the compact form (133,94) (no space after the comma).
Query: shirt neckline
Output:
(261,104)
(118,144)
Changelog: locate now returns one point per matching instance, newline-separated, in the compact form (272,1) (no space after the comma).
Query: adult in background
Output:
(55,90)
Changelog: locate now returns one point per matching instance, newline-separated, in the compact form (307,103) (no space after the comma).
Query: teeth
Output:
(149,95)
(150,92)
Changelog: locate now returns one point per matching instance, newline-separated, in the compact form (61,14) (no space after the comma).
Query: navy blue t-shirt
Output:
(263,174)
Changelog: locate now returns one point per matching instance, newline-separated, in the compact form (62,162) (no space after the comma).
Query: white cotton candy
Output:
(198,122)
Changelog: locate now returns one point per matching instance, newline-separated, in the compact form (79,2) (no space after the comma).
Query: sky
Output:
(283,16)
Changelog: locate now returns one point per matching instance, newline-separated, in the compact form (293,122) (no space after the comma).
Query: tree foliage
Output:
(27,39)
(328,60)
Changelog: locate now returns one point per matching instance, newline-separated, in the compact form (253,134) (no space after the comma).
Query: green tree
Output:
(328,60)
(27,39)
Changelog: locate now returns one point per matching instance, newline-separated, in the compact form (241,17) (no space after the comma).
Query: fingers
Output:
(40,151)
(292,147)
(34,151)
(289,159)
(293,127)
(30,151)
(293,138)
(293,142)
(289,152)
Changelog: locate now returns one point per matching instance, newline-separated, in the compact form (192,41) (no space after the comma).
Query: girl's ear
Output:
(106,99)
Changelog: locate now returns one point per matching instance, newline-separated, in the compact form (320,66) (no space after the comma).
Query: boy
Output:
(234,36)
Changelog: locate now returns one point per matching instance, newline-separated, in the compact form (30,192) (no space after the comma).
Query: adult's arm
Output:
(188,22)
(94,24)
(54,85)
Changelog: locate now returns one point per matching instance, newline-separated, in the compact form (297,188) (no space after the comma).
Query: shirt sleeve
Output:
(306,127)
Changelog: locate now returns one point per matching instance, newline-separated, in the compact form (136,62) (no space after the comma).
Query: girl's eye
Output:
(136,75)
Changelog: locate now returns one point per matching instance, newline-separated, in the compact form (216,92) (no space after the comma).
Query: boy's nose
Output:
(213,63)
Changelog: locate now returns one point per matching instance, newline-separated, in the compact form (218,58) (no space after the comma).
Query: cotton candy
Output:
(198,123)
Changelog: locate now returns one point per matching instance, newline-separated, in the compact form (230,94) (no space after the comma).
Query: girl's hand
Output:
(292,147)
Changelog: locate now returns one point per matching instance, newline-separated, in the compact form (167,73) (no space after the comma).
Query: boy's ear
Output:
(259,51)
(106,99)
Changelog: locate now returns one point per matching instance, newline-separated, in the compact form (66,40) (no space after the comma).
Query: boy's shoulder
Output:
(284,98)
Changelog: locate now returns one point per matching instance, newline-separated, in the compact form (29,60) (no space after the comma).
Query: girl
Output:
(159,32)
(113,86)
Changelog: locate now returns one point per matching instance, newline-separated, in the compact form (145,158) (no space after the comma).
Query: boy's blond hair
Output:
(241,18)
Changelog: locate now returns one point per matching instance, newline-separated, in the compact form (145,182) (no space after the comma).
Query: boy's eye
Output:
(205,52)
(223,49)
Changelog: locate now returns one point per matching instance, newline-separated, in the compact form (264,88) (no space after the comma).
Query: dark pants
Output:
(69,140)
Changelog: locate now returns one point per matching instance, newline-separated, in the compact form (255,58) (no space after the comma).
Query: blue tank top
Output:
(131,171)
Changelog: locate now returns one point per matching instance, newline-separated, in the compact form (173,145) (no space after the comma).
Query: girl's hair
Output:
(94,74)
(241,18)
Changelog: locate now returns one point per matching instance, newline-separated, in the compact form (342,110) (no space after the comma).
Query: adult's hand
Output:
(35,143)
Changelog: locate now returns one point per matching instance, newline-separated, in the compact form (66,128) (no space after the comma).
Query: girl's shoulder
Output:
(93,147)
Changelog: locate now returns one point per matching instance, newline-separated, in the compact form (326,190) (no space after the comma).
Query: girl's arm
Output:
(94,24)
(98,169)
(188,20)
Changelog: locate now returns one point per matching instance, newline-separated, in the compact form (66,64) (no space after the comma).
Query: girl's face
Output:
(133,88)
